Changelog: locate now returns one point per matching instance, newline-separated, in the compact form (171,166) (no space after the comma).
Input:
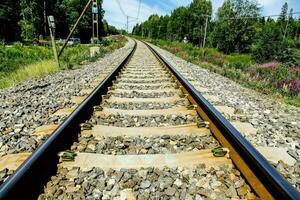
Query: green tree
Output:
(236,26)
(223,38)
(283,14)
(197,13)
(72,9)
(153,23)
(268,44)
(26,19)
(164,20)
(9,18)
(29,18)
(178,25)
(278,40)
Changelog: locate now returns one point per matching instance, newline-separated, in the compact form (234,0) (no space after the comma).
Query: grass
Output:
(17,55)
(31,71)
(19,63)
(279,81)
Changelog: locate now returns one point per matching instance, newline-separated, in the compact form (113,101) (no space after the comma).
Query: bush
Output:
(290,52)
(11,58)
(73,55)
(239,61)
(106,42)
(281,77)
(272,46)
(291,86)
(268,44)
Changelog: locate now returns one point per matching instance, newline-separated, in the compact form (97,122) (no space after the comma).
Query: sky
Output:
(115,17)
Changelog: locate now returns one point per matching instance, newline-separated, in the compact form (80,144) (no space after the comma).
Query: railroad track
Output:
(146,133)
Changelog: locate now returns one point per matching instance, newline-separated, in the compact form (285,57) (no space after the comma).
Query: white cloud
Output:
(271,2)
(181,2)
(269,7)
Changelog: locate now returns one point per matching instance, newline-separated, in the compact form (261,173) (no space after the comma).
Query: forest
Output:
(238,27)
(24,20)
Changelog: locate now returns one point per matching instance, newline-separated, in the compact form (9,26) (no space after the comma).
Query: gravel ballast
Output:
(29,105)
(277,124)
(124,155)
(124,145)
(150,183)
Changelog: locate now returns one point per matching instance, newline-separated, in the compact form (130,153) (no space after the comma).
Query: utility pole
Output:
(95,21)
(205,30)
(158,31)
(286,27)
(45,19)
(127,24)
(52,35)
(287,23)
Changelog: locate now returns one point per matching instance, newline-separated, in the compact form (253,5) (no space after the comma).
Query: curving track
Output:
(147,139)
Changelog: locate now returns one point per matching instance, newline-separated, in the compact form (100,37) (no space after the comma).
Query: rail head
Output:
(275,184)
(29,179)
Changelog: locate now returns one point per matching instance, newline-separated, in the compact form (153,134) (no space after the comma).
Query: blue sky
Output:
(115,17)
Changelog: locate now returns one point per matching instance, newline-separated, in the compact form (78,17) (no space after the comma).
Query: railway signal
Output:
(95,21)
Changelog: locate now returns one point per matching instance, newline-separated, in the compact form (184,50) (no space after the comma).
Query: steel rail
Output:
(29,179)
(276,185)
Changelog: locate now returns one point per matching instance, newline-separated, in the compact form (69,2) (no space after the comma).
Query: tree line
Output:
(23,20)
(238,27)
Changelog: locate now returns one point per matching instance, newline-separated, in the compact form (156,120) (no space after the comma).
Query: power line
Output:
(252,17)
(127,16)
(139,9)
(121,8)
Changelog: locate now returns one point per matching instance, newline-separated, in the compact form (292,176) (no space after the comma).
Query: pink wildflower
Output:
(269,65)
(292,84)
(294,69)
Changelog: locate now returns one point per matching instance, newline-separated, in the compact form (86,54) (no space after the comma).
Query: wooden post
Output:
(45,20)
(205,30)
(52,35)
(54,47)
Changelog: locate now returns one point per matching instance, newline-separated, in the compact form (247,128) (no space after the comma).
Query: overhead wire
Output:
(127,16)
(123,12)
(119,4)
(251,17)
(138,15)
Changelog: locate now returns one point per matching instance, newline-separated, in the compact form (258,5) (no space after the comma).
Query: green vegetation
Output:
(28,72)
(260,52)
(270,78)
(12,57)
(19,63)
